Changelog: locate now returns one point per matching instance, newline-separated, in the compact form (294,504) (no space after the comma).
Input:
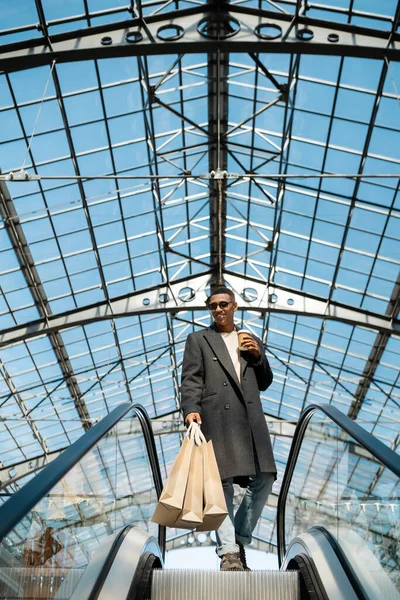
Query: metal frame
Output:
(87,44)
(270,299)
(13,473)
(375,356)
(27,265)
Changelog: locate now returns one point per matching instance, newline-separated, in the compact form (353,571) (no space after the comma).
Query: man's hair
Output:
(221,289)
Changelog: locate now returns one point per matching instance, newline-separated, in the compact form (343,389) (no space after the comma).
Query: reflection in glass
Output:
(46,554)
(340,486)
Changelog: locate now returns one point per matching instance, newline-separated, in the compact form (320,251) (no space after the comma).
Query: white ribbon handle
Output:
(194,432)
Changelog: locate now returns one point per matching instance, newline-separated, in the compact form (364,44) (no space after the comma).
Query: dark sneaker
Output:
(242,555)
(231,562)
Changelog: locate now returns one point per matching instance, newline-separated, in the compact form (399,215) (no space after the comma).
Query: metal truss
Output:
(21,404)
(167,298)
(179,32)
(149,99)
(29,271)
(375,356)
(165,425)
(87,214)
(393,307)
(290,97)
(13,473)
(218,70)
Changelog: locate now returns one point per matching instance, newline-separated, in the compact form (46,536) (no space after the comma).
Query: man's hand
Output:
(251,346)
(192,417)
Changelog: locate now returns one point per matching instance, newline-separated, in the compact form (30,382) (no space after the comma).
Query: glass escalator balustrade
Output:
(46,554)
(340,486)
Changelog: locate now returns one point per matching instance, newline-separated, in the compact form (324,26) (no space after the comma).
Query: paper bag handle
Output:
(194,432)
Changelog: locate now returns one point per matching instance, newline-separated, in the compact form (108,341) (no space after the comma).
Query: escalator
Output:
(81,530)
(62,531)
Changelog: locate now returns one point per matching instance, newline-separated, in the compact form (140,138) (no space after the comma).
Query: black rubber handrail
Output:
(23,501)
(385,455)
(154,463)
(100,581)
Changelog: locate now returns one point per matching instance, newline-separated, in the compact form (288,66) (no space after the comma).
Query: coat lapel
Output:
(221,352)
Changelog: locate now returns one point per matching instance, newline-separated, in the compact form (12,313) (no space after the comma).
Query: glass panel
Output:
(46,554)
(340,486)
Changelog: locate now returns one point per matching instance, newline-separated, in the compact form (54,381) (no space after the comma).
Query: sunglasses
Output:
(223,304)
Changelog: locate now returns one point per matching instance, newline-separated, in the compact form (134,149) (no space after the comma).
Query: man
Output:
(220,390)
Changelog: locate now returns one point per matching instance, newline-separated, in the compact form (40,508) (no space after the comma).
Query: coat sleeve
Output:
(262,369)
(192,381)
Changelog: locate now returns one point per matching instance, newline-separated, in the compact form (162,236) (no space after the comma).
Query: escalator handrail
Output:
(150,446)
(378,449)
(154,463)
(23,501)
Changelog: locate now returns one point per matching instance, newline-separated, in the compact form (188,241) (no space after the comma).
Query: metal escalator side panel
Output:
(330,569)
(373,581)
(185,584)
(91,574)
(123,574)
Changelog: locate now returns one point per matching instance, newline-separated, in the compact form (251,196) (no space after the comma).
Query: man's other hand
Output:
(192,417)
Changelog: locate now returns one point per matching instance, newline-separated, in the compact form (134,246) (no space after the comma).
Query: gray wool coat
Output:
(231,412)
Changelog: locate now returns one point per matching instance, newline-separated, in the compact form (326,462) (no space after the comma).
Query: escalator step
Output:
(185,584)
(35,583)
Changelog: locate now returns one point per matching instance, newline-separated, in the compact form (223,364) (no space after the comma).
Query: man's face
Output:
(223,316)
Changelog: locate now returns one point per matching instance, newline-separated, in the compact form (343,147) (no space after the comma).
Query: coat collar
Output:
(218,345)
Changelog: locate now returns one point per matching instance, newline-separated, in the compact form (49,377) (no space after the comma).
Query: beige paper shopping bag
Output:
(215,509)
(192,512)
(170,504)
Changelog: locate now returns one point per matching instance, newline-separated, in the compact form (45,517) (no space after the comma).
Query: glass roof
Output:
(74,237)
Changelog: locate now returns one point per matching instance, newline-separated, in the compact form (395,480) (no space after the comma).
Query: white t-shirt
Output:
(232,344)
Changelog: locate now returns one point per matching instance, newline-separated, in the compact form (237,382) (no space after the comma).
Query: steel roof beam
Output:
(393,308)
(148,97)
(338,39)
(375,355)
(218,71)
(12,473)
(25,259)
(21,405)
(270,299)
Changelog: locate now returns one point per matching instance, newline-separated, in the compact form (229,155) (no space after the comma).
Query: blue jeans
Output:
(241,526)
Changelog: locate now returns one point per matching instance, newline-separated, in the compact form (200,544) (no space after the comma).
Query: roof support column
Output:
(218,71)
